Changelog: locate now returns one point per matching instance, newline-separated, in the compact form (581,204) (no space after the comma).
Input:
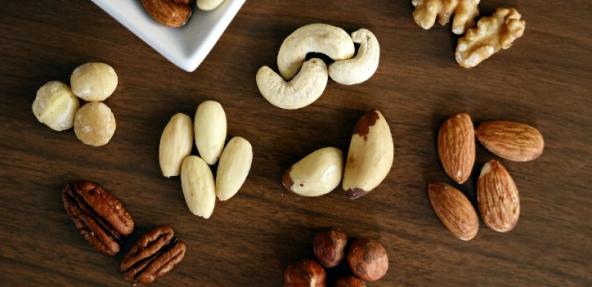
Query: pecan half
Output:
(153,255)
(98,215)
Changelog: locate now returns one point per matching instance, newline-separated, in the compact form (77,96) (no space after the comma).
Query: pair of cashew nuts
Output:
(302,82)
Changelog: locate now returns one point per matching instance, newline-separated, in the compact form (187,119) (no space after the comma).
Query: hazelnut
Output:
(367,259)
(93,82)
(94,124)
(305,273)
(55,105)
(350,281)
(329,246)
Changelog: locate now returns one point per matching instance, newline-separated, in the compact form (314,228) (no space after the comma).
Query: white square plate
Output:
(185,47)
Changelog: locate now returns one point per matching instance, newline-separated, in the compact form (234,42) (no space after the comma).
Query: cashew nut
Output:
(305,88)
(360,68)
(320,38)
(208,5)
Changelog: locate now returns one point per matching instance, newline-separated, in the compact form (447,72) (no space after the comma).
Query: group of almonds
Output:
(369,160)
(176,13)
(491,35)
(105,223)
(197,180)
(366,259)
(56,104)
(497,195)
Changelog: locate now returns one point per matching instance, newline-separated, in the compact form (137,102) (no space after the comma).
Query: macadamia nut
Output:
(94,124)
(93,82)
(55,105)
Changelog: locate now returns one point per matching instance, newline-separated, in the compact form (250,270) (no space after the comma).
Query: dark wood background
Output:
(544,80)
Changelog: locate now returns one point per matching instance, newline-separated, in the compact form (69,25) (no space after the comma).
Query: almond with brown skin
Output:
(454,210)
(168,12)
(456,146)
(510,140)
(497,195)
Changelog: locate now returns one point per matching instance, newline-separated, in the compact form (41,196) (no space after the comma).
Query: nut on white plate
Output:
(305,88)
(198,187)
(94,124)
(370,155)
(316,174)
(491,35)
(456,146)
(233,168)
(208,5)
(313,38)
(176,142)
(361,67)
(511,140)
(497,195)
(55,106)
(210,130)
(93,82)
(454,210)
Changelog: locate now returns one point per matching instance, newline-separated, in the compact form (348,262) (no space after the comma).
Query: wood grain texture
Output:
(544,80)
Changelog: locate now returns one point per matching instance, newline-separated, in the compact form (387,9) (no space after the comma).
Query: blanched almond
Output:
(210,131)
(197,182)
(175,144)
(234,166)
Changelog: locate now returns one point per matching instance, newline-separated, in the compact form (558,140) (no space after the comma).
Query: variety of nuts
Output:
(464,12)
(305,88)
(370,155)
(329,246)
(94,124)
(350,281)
(175,144)
(208,5)
(55,106)
(305,273)
(454,210)
(98,215)
(210,130)
(510,140)
(233,168)
(490,36)
(367,259)
(497,195)
(456,146)
(93,82)
(361,67)
(153,255)
(198,187)
(171,13)
(318,38)
(316,174)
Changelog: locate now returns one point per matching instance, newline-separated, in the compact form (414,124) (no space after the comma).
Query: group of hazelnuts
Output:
(363,259)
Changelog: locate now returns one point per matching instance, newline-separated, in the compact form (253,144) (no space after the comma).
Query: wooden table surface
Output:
(544,80)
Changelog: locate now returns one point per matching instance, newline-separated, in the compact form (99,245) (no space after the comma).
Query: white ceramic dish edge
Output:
(185,47)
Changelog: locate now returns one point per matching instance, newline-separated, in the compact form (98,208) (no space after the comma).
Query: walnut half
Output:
(490,36)
(464,12)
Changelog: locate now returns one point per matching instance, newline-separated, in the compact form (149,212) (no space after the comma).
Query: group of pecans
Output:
(497,195)
(105,223)
(366,260)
